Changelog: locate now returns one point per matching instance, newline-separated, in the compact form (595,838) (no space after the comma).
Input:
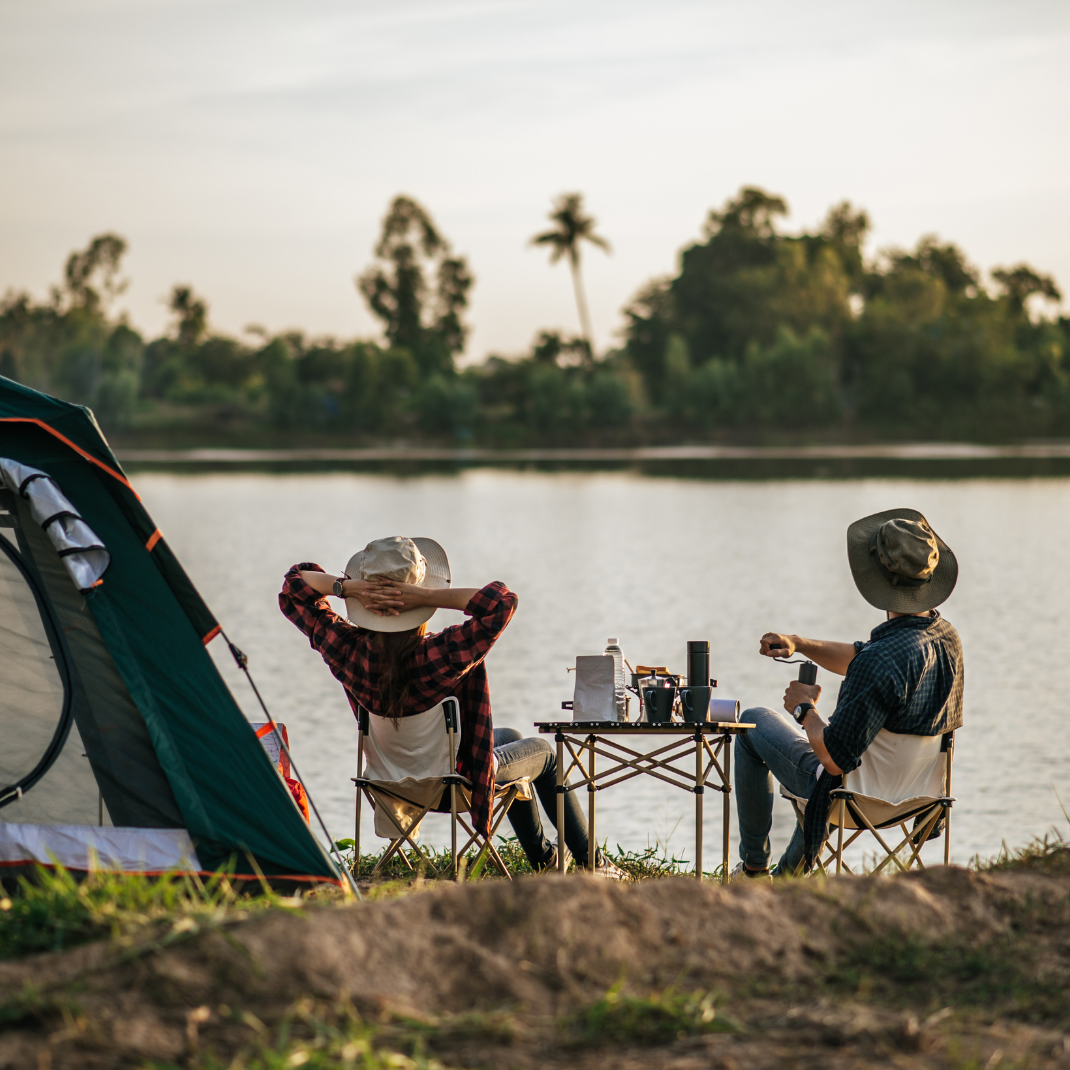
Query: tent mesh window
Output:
(35,700)
(102,769)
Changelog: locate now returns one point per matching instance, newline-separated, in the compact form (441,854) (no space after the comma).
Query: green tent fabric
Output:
(154,627)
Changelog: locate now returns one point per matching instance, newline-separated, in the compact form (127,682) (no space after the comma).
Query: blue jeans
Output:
(775,747)
(535,758)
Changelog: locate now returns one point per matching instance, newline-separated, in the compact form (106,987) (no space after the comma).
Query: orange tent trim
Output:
(77,449)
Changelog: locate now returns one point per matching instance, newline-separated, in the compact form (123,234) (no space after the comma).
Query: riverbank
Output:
(949,968)
(922,459)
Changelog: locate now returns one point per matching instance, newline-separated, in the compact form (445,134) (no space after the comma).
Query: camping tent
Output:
(119,736)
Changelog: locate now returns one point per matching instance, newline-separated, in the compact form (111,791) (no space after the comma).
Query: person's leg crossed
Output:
(517,759)
(534,757)
(506,735)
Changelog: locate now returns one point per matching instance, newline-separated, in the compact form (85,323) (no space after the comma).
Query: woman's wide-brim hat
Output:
(899,563)
(417,560)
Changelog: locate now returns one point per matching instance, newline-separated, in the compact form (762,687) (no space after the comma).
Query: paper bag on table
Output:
(593,699)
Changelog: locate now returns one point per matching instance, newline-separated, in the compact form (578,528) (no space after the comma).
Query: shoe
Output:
(551,865)
(608,871)
(741,873)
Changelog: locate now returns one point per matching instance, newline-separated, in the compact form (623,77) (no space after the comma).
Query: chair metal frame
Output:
(926,816)
(459,786)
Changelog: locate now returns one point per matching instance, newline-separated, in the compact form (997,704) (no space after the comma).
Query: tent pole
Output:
(243,664)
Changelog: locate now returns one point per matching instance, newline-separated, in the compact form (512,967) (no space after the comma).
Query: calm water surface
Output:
(655,561)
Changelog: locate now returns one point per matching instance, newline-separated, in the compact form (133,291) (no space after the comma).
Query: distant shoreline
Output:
(905,451)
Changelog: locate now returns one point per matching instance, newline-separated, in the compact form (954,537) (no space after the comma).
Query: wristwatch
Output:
(338,588)
(800,711)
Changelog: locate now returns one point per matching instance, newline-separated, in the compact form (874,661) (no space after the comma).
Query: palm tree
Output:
(571,227)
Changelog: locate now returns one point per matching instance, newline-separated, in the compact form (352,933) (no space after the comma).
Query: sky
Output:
(250,147)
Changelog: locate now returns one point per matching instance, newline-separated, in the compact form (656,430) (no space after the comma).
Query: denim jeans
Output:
(535,758)
(775,747)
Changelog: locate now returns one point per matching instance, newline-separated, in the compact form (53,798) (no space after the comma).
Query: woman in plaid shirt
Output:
(395,672)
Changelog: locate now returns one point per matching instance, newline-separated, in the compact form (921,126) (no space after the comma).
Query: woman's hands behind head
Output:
(409,596)
(378,595)
(392,597)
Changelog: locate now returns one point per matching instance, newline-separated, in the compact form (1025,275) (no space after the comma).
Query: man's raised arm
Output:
(829,655)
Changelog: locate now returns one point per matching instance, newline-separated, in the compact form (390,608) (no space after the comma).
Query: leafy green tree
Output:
(191,316)
(172,369)
(92,275)
(419,288)
(69,345)
(550,347)
(1020,283)
(934,354)
(572,227)
(743,283)
(120,379)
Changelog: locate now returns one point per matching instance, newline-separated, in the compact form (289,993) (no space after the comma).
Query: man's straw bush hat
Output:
(899,563)
(418,561)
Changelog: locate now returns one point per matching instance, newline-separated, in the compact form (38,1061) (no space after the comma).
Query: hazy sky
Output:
(250,148)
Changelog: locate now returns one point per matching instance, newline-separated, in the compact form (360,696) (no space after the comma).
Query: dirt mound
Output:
(862,964)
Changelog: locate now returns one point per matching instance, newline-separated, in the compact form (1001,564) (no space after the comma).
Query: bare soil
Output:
(949,968)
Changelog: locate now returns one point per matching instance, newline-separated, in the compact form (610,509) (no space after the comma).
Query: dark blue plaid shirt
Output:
(907,678)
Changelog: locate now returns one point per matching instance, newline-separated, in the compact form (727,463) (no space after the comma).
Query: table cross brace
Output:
(641,763)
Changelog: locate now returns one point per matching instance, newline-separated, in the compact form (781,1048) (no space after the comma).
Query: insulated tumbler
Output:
(698,663)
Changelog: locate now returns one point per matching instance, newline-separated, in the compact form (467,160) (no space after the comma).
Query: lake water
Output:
(655,561)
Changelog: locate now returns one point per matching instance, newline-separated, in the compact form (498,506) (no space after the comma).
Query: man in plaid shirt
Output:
(907,679)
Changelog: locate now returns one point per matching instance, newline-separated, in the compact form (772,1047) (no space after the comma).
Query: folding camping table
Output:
(708,743)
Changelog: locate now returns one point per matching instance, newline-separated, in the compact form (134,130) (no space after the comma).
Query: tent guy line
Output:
(242,661)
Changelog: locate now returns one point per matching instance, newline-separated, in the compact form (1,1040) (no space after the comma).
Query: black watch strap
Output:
(800,711)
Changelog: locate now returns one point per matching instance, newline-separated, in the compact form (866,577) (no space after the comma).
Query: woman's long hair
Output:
(397,649)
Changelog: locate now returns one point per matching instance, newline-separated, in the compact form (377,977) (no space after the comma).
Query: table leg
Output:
(699,792)
(726,821)
(560,803)
(591,842)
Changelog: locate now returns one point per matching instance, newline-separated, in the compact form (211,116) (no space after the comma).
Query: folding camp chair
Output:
(405,772)
(900,778)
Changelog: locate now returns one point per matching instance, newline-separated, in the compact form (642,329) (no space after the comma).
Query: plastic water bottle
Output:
(615,652)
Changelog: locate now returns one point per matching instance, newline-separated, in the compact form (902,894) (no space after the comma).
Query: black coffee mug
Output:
(657,703)
(695,704)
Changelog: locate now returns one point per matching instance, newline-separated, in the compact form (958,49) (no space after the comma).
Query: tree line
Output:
(759,334)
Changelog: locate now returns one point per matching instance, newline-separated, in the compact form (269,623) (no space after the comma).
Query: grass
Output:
(648,864)
(321,1036)
(662,1017)
(53,911)
(1006,972)
(1018,974)
(1047,854)
(898,968)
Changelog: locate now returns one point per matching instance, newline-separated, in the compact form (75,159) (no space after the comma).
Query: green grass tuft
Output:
(1048,854)
(319,1036)
(618,1018)
(52,911)
(648,864)
(899,968)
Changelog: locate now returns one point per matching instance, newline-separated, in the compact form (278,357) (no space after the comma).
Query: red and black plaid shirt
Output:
(447,663)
